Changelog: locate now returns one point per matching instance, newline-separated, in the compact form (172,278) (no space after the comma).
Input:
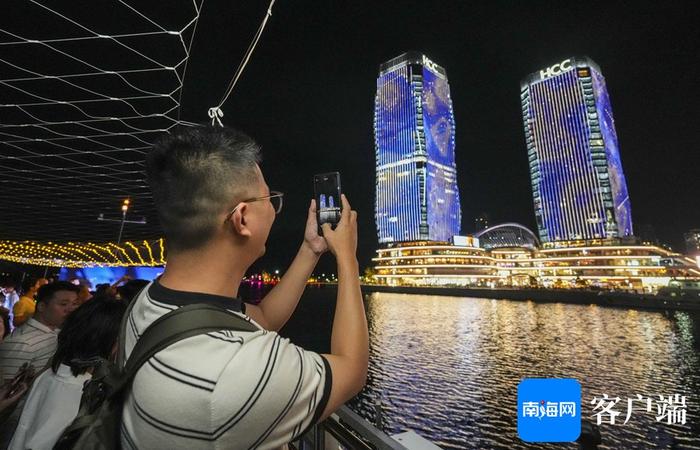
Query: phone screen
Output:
(327,194)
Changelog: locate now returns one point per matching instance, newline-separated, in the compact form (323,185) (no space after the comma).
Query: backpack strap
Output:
(121,347)
(184,322)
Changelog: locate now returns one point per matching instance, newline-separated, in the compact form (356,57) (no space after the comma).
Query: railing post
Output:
(378,413)
(319,437)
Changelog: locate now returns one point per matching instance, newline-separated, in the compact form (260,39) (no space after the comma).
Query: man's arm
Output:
(13,353)
(279,304)
(20,313)
(349,338)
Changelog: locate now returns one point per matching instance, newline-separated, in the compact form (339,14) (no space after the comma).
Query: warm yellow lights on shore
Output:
(85,254)
(630,266)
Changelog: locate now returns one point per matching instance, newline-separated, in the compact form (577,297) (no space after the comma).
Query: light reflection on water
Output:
(448,367)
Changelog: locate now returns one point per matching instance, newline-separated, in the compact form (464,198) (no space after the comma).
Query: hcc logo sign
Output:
(556,69)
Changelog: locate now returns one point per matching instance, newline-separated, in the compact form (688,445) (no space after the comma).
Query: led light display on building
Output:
(578,186)
(416,192)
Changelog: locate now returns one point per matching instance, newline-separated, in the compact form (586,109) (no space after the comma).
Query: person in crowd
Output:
(84,294)
(4,323)
(24,309)
(35,341)
(236,389)
(112,289)
(102,289)
(54,398)
(128,291)
(8,296)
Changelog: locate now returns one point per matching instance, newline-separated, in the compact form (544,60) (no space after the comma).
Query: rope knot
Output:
(215,114)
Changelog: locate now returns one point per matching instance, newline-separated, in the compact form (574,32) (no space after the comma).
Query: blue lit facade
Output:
(414,129)
(578,186)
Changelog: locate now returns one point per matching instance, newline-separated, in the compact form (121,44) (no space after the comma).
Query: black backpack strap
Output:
(184,322)
(121,347)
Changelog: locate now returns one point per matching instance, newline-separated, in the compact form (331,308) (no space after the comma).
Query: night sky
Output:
(307,96)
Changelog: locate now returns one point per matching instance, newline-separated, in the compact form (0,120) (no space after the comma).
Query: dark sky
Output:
(307,96)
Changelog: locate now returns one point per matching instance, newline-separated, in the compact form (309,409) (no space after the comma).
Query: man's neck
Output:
(203,272)
(42,320)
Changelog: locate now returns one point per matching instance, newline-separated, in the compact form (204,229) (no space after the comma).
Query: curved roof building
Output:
(507,235)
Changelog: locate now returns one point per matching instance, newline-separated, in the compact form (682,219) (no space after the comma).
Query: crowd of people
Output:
(222,388)
(51,333)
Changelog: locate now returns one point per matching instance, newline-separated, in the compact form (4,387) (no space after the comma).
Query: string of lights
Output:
(86,254)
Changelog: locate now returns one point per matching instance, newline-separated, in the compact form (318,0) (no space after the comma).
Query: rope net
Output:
(85,88)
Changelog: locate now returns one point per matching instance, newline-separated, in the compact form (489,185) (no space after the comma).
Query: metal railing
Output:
(346,429)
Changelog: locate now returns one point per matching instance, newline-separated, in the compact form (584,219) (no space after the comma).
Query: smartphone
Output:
(24,375)
(328,203)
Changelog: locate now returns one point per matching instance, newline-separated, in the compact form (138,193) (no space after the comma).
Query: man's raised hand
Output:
(316,243)
(342,241)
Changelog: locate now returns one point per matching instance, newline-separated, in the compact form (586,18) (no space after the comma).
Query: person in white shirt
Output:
(230,389)
(9,296)
(34,342)
(54,398)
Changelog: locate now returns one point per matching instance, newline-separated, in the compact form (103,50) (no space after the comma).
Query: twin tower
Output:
(579,189)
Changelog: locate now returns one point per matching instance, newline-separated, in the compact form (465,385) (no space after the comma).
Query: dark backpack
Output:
(98,423)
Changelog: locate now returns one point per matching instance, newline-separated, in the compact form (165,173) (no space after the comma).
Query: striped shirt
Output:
(225,389)
(33,342)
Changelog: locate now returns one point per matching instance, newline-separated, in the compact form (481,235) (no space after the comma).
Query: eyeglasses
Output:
(275,197)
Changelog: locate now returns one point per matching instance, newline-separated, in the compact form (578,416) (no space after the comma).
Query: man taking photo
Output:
(232,389)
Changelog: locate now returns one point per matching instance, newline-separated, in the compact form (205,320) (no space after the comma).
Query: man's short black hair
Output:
(47,291)
(194,173)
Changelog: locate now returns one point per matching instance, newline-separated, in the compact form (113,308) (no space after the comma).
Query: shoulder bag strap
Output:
(121,347)
(184,322)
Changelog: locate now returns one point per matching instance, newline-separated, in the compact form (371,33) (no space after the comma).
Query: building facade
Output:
(578,186)
(417,198)
(577,264)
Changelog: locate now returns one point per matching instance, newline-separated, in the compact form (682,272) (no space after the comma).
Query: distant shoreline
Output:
(575,296)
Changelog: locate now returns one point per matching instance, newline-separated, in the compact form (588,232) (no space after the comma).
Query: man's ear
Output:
(40,306)
(238,221)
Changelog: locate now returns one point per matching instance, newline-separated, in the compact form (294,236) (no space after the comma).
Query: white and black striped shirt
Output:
(226,389)
(32,342)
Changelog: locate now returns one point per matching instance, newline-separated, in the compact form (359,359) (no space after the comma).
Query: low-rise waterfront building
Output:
(607,264)
(425,263)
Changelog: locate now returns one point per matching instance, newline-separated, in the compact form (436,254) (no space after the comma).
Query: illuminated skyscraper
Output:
(578,187)
(414,133)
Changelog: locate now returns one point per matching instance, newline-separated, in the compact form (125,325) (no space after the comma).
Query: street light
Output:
(125,208)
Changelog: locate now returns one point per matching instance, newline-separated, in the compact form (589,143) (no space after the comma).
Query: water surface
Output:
(448,367)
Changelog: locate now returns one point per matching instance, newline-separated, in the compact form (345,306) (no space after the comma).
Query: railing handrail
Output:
(374,435)
(351,430)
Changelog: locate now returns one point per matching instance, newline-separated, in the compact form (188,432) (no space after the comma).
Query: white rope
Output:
(82,38)
(215,114)
(241,66)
